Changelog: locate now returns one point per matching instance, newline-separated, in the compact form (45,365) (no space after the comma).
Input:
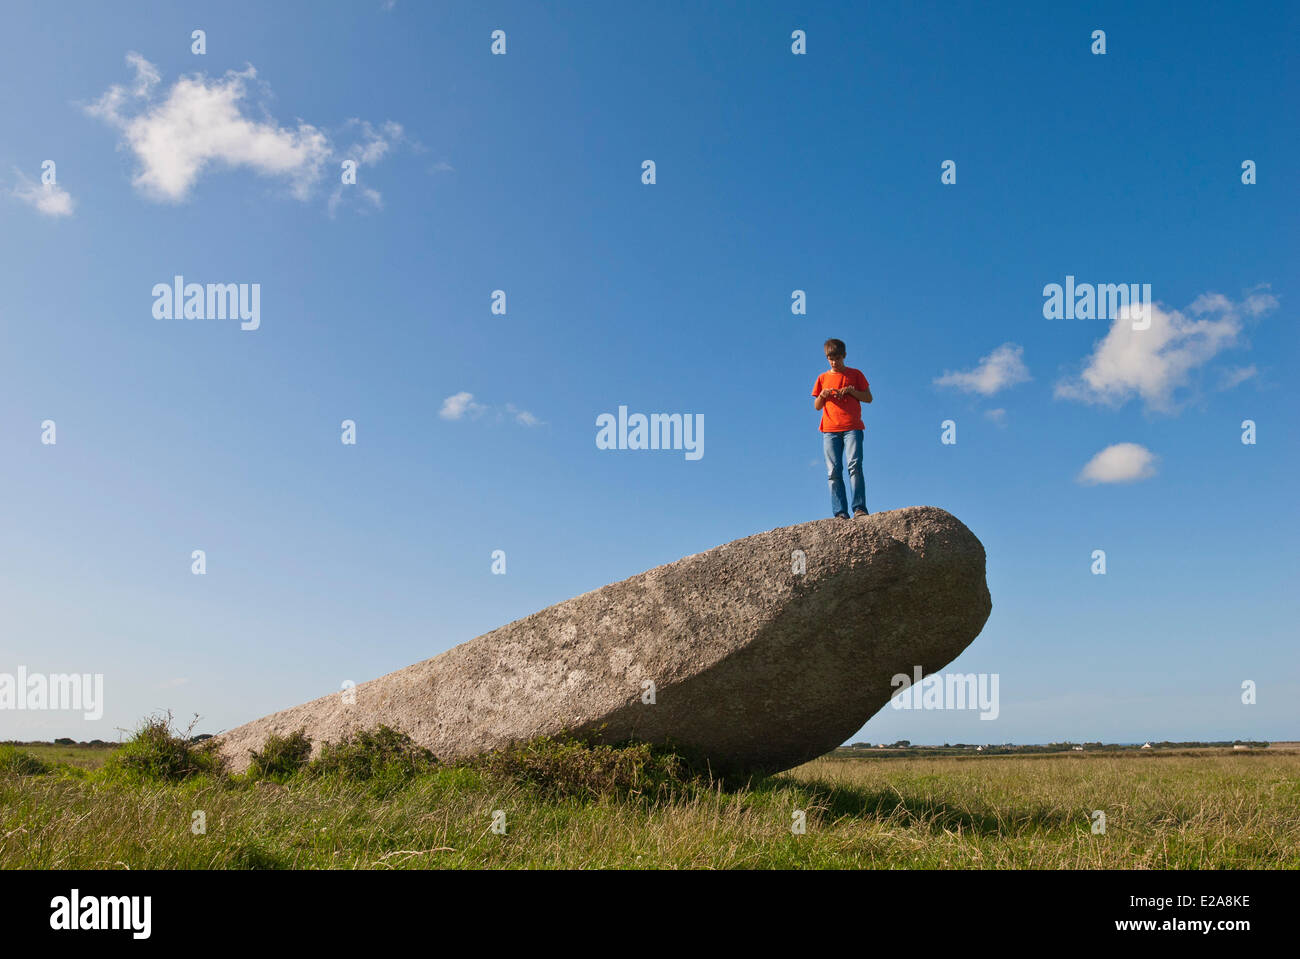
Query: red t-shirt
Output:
(841,412)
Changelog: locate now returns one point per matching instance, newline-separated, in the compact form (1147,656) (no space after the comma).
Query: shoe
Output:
(860,512)
(840,516)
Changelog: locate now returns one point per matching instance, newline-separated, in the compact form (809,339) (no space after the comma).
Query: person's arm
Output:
(820,399)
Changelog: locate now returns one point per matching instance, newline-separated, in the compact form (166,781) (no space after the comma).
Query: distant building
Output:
(1146,745)
(1078,749)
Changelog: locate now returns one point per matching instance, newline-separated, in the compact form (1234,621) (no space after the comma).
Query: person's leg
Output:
(857,485)
(833,446)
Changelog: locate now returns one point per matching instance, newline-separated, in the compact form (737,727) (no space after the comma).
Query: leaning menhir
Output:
(763,653)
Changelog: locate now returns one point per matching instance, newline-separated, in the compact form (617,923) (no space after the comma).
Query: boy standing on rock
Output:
(837,393)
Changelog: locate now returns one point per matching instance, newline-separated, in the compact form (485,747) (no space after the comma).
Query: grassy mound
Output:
(380,753)
(565,767)
(552,767)
(386,759)
(158,753)
(15,760)
(281,757)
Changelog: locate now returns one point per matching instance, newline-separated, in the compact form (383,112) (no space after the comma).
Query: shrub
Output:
(561,767)
(159,753)
(281,756)
(373,754)
(15,760)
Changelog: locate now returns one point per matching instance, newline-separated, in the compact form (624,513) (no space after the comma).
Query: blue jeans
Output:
(835,445)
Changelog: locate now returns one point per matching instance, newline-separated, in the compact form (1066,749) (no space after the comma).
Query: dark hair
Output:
(838,344)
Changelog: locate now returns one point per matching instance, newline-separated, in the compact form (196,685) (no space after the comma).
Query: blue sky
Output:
(523,172)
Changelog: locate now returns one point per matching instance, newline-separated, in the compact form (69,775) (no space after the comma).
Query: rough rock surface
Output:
(756,666)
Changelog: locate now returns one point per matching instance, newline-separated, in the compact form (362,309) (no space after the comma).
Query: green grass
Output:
(1212,809)
(383,757)
(80,755)
(159,753)
(21,762)
(281,757)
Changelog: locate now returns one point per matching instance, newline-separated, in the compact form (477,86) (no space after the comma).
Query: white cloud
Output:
(1119,463)
(522,416)
(1003,367)
(1236,376)
(459,405)
(375,144)
(47,198)
(1257,303)
(199,123)
(998,416)
(1154,363)
(177,135)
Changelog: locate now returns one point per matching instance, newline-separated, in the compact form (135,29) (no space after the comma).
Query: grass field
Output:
(81,756)
(1203,809)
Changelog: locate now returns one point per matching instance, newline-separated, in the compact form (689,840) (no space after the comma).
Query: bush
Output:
(157,752)
(380,753)
(561,767)
(281,756)
(15,760)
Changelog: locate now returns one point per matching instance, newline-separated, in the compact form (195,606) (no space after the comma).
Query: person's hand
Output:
(846,391)
(826,394)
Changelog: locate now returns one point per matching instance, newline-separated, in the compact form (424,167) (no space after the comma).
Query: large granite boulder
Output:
(763,653)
